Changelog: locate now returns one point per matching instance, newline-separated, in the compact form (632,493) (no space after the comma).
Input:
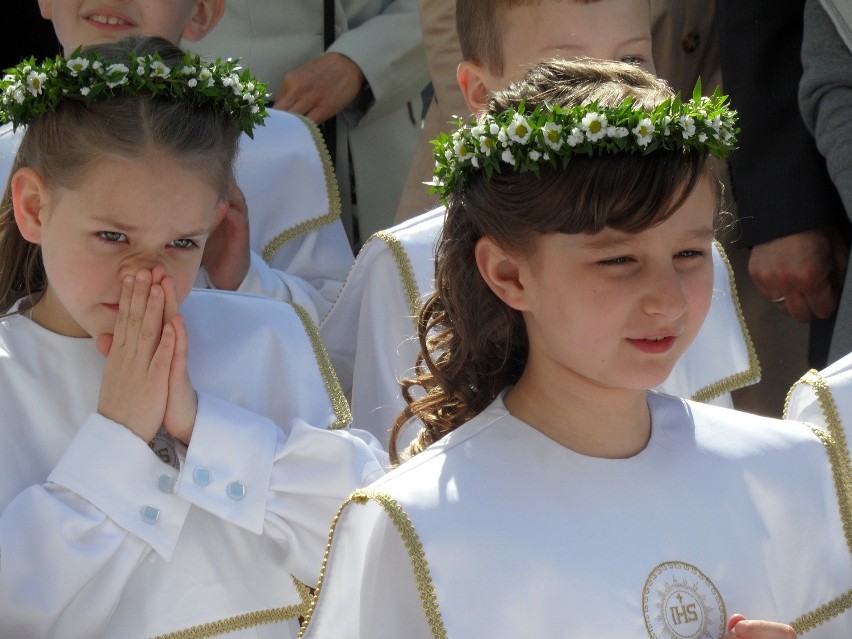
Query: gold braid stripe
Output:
(329,377)
(419,565)
(744,378)
(832,609)
(333,199)
(406,272)
(835,443)
(248,620)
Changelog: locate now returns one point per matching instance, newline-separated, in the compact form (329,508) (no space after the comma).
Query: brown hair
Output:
(480,25)
(472,344)
(63,143)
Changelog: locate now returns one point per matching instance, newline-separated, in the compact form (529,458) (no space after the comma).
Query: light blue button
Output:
(167,483)
(150,514)
(202,476)
(236,490)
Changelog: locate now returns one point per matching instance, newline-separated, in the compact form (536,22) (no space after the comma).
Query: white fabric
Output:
(289,192)
(823,398)
(77,558)
(371,338)
(525,538)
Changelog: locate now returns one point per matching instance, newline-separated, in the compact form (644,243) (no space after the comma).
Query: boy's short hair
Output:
(480,27)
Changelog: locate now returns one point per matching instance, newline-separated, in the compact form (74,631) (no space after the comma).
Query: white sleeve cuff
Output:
(228,463)
(117,472)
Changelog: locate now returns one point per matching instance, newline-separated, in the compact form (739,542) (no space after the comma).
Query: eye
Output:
(633,59)
(690,253)
(183,244)
(112,236)
(616,261)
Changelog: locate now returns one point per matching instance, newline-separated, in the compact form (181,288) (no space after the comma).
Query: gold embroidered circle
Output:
(680,602)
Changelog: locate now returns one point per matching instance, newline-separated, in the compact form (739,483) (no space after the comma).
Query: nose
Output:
(132,267)
(664,294)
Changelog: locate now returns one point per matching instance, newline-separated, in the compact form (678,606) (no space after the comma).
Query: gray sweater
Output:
(825,100)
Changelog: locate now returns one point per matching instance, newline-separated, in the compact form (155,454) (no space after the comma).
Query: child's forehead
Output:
(534,31)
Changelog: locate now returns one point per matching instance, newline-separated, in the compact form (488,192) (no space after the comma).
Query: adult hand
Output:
(739,626)
(321,88)
(134,388)
(803,272)
(227,254)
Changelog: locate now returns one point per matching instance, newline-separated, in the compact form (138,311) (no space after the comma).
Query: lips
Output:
(654,345)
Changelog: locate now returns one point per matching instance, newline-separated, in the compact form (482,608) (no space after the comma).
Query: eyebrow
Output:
(132,228)
(597,242)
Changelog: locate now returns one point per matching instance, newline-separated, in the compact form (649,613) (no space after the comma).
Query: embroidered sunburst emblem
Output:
(680,602)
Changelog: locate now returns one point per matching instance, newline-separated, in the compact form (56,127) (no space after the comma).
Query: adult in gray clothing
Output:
(825,99)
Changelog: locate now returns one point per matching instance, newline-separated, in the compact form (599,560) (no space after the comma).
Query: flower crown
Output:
(31,89)
(552,134)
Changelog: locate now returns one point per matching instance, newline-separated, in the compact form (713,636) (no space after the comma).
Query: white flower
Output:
(665,124)
(35,82)
(474,161)
(552,135)
(96,65)
(114,70)
(575,137)
(77,65)
(486,144)
(477,131)
(84,91)
(716,123)
(617,132)
(254,108)
(192,83)
(205,74)
(159,69)
(187,70)
(594,124)
(688,125)
(519,129)
(19,96)
(460,148)
(534,155)
(493,128)
(503,137)
(507,157)
(140,70)
(702,137)
(644,132)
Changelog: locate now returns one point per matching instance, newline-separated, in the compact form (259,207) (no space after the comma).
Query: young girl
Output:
(110,526)
(550,494)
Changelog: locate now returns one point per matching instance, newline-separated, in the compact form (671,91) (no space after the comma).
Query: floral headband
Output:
(31,89)
(552,134)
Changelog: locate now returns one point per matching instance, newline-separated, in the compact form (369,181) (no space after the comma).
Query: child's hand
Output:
(182,404)
(739,626)
(226,254)
(135,382)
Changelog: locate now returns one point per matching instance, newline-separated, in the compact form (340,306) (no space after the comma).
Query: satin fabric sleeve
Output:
(67,547)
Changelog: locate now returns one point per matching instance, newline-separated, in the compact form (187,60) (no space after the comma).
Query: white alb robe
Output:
(99,537)
(496,531)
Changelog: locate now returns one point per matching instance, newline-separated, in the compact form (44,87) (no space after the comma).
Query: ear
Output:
(502,272)
(475,84)
(46,8)
(29,199)
(206,16)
